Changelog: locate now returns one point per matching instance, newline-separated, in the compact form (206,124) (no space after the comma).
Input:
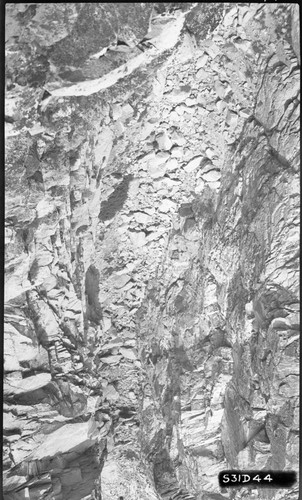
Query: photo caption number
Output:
(268,478)
(265,478)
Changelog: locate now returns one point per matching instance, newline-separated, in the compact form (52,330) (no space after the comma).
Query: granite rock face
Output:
(152,249)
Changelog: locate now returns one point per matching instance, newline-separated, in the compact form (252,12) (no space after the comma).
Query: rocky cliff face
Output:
(152,223)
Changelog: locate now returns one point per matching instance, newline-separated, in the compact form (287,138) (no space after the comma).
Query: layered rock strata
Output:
(152,258)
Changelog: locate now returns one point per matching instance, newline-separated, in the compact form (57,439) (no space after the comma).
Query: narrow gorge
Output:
(152,192)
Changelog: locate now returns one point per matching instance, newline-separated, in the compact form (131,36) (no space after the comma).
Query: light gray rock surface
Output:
(152,244)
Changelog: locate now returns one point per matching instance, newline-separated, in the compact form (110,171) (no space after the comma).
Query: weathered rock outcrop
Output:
(152,226)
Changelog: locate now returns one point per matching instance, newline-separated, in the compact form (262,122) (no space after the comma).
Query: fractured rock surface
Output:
(152,249)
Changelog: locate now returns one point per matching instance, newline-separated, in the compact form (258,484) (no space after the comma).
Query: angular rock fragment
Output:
(119,281)
(193,164)
(167,205)
(211,176)
(163,141)
(111,360)
(128,353)
(110,393)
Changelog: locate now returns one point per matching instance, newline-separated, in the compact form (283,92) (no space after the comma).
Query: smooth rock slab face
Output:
(28,384)
(20,351)
(71,438)
(152,211)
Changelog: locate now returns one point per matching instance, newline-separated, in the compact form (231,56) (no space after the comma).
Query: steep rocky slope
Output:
(152,225)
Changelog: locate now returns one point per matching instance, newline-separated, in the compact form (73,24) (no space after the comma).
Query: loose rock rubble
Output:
(151,327)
